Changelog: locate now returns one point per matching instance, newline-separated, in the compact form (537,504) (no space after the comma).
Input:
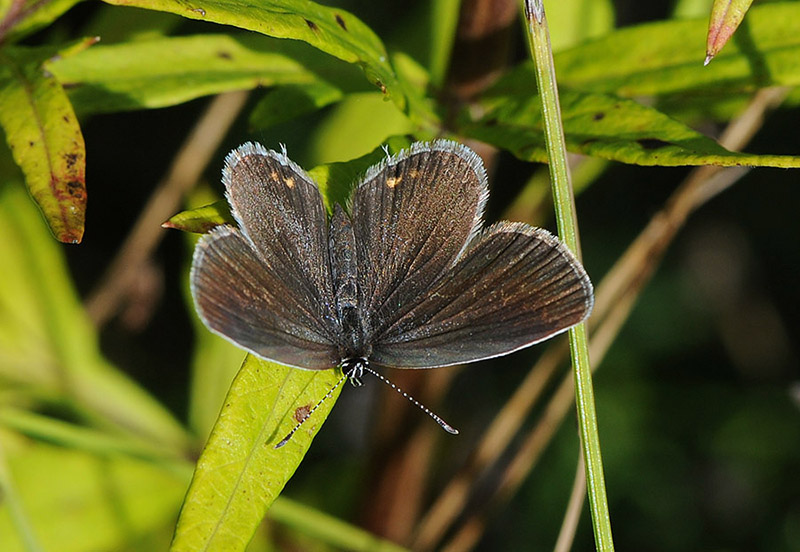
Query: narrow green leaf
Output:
(443,21)
(331,30)
(726,15)
(203,219)
(328,529)
(72,436)
(667,57)
(509,117)
(45,138)
(288,102)
(167,71)
(240,473)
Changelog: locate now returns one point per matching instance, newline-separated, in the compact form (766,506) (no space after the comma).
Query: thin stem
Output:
(146,234)
(566,536)
(564,203)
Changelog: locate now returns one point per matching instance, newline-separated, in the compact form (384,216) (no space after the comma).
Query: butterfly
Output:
(404,276)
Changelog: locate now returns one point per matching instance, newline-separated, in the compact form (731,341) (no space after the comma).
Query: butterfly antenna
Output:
(445,426)
(310,412)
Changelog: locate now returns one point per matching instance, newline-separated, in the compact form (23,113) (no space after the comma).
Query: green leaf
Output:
(573,21)
(331,30)
(509,117)
(365,119)
(167,71)
(72,436)
(113,501)
(337,180)
(240,473)
(202,219)
(667,57)
(30,16)
(443,22)
(328,529)
(289,102)
(17,518)
(48,346)
(45,139)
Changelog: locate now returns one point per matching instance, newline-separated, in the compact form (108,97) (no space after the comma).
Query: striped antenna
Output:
(353,369)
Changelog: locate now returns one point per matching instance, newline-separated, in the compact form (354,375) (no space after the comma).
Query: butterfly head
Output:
(353,368)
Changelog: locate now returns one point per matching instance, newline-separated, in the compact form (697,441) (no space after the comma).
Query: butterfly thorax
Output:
(344,270)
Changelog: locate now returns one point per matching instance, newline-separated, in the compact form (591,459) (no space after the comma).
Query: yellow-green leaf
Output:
(203,219)
(240,472)
(32,16)
(45,138)
(288,102)
(334,31)
(666,57)
(608,127)
(166,71)
(78,502)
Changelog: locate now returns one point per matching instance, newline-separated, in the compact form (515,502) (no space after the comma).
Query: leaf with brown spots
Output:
(45,139)
(333,31)
(240,472)
(166,71)
(604,126)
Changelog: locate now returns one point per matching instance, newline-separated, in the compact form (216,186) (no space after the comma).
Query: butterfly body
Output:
(404,277)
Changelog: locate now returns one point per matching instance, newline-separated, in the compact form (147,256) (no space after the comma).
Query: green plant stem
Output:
(564,201)
(329,529)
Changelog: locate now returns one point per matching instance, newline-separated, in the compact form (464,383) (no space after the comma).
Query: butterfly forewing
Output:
(280,210)
(515,286)
(267,285)
(412,216)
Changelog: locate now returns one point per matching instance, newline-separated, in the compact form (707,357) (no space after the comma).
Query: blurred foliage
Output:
(101,427)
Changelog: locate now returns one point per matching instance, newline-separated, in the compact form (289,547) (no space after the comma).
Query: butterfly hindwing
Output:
(515,286)
(241,298)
